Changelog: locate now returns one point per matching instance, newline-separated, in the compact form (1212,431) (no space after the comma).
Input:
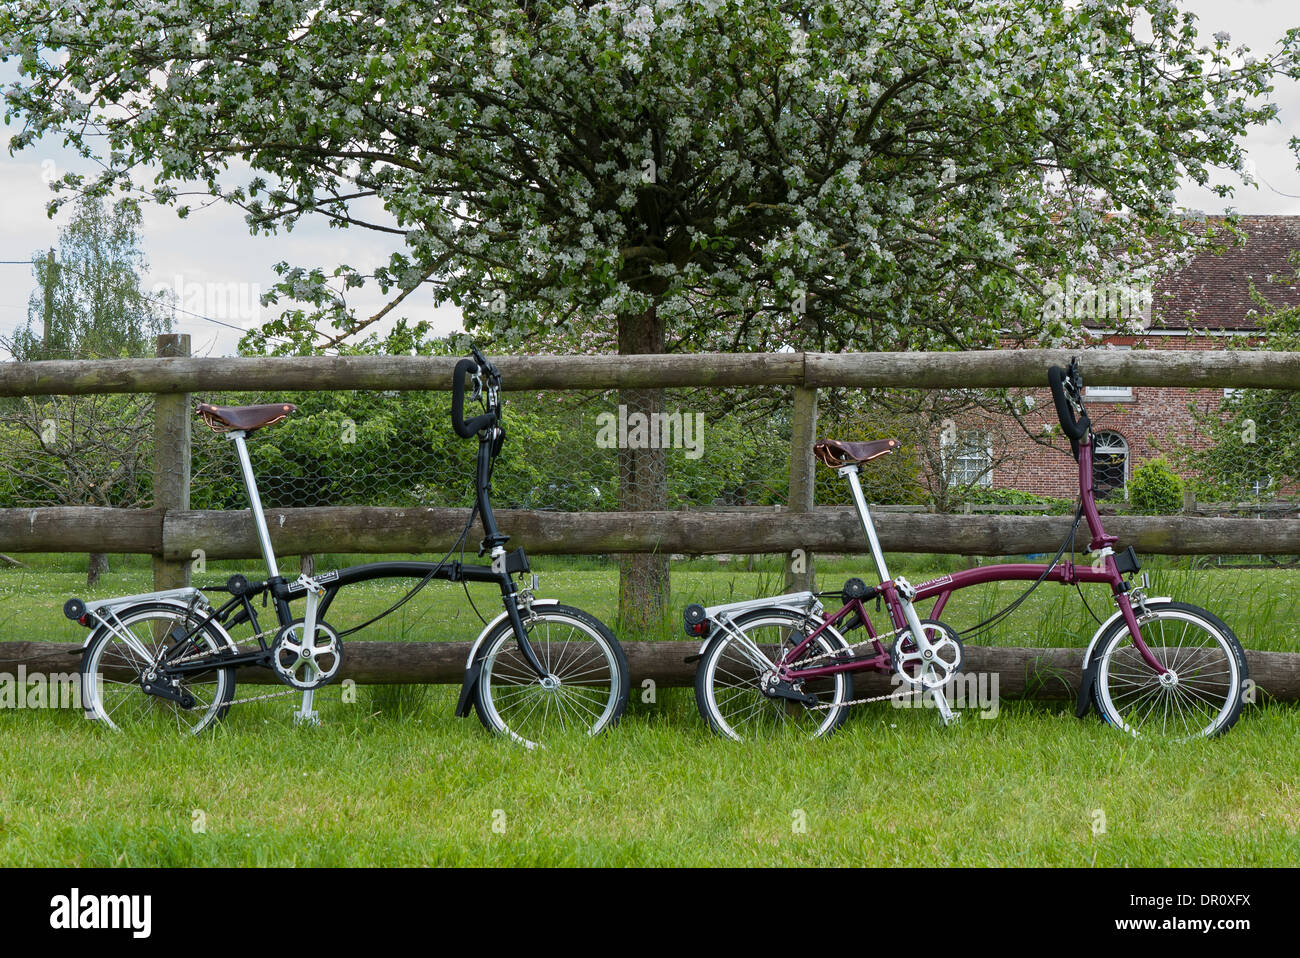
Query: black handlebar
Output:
(479,366)
(1074,426)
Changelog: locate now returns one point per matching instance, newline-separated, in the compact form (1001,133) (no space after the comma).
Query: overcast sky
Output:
(213,248)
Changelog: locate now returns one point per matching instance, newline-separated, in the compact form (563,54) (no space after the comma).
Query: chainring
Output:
(306,668)
(919,672)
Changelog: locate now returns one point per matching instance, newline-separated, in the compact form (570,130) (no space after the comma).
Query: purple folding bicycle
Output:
(781,665)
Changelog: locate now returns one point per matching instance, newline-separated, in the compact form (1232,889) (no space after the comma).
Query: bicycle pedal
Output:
(311,717)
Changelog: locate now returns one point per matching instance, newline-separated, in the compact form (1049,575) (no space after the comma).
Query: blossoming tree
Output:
(847,173)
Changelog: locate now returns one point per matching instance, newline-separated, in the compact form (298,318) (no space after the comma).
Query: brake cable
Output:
(998,616)
(441,564)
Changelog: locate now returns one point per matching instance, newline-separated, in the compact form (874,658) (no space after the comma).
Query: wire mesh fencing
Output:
(1158,450)
(564,451)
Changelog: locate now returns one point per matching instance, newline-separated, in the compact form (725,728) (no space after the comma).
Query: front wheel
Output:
(586,688)
(1202,693)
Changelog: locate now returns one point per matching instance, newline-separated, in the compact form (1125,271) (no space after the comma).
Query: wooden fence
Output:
(171,531)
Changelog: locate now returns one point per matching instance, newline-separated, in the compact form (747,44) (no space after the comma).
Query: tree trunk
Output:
(98,566)
(642,485)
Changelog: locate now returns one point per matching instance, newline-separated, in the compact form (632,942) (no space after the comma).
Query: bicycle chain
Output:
(246,646)
(259,698)
(849,647)
(839,652)
(238,648)
(250,698)
(836,705)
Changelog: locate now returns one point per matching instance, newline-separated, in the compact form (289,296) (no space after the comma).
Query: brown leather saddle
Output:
(243,418)
(834,453)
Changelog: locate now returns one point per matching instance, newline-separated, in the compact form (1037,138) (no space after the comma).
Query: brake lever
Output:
(1076,378)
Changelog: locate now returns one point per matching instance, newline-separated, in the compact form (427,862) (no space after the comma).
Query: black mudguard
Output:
(1084,704)
(467,688)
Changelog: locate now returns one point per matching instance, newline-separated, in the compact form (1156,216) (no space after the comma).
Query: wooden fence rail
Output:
(229,535)
(1045,674)
(991,368)
(170,532)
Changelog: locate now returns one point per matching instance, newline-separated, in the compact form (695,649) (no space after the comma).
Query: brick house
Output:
(1205,305)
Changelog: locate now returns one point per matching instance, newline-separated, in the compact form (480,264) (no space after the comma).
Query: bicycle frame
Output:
(320,590)
(900,597)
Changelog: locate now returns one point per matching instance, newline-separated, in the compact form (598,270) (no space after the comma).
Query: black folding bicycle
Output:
(170,657)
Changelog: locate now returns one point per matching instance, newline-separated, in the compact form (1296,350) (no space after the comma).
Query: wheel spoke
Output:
(734,667)
(137,642)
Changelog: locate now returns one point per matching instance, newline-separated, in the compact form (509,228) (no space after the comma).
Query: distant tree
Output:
(88,304)
(1254,433)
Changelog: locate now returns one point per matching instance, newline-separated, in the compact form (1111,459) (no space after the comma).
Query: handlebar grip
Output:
(462,428)
(1074,428)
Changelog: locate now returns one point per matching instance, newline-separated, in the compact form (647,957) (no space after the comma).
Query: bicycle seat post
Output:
(850,472)
(237,436)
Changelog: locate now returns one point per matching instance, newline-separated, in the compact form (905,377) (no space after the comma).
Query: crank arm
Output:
(941,703)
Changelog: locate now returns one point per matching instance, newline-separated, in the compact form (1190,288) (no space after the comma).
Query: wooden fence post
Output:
(171,460)
(799,573)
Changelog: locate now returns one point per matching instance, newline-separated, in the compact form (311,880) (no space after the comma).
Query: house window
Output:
(1109,465)
(1260,488)
(971,459)
(1110,393)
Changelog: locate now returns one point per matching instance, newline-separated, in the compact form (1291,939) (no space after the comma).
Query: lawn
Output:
(394,779)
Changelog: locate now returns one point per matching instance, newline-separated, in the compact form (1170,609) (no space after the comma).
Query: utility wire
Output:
(151,299)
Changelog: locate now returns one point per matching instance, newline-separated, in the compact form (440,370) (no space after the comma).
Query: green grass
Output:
(394,779)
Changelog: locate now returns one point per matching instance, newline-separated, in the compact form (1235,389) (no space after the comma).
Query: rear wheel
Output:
(1202,693)
(730,678)
(115,664)
(586,688)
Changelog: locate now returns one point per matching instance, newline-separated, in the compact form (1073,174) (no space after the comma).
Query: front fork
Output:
(510,598)
(521,636)
(1130,619)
